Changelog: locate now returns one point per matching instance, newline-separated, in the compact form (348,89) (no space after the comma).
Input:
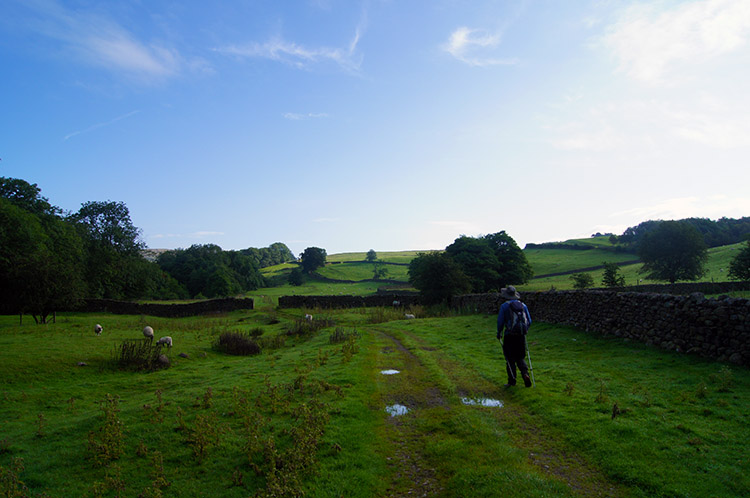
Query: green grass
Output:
(680,416)
(716,268)
(362,271)
(385,256)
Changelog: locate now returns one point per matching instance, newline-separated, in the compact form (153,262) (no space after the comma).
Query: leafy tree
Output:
(739,267)
(296,277)
(477,261)
(275,254)
(108,225)
(582,280)
(379,271)
(514,267)
(40,262)
(208,271)
(372,255)
(672,251)
(612,276)
(26,196)
(312,258)
(437,277)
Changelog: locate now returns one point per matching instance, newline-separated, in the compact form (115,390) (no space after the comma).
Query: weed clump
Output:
(305,328)
(341,335)
(107,444)
(237,343)
(139,354)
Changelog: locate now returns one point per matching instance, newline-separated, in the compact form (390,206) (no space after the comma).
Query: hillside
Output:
(552,267)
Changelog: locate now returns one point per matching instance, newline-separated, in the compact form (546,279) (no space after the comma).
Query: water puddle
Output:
(396,410)
(493,403)
(389,372)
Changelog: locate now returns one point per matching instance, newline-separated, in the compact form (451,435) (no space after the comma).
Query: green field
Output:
(309,416)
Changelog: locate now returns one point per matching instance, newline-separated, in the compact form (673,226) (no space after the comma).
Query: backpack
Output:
(518,323)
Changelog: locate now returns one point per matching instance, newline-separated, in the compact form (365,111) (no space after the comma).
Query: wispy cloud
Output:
(101,125)
(300,56)
(650,42)
(476,47)
(95,39)
(686,207)
(294,116)
(198,235)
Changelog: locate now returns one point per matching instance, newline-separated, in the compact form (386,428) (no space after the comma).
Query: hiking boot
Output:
(509,385)
(526,380)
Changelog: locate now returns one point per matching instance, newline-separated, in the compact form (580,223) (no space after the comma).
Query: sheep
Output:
(396,303)
(148,333)
(409,316)
(308,317)
(165,340)
(98,329)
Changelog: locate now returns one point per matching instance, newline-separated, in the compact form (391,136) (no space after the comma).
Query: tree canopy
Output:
(739,267)
(673,250)
(312,258)
(437,277)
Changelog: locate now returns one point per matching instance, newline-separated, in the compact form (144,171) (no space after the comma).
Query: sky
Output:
(379,124)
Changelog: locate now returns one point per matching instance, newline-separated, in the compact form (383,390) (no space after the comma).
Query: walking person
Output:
(513,321)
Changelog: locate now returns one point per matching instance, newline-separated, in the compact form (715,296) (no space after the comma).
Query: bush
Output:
(236,343)
(140,354)
(341,335)
(304,328)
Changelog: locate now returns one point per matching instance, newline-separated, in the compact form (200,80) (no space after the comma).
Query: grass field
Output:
(309,415)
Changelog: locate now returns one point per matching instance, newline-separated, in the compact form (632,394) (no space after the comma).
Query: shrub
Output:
(236,343)
(304,328)
(139,354)
(341,335)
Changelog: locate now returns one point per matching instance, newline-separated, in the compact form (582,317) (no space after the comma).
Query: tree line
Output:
(51,260)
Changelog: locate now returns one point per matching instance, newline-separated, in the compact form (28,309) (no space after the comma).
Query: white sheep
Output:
(396,303)
(409,316)
(165,340)
(308,317)
(148,333)
(98,329)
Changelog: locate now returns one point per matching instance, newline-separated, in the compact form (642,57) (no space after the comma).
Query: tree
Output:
(739,267)
(437,277)
(40,262)
(26,196)
(312,258)
(514,267)
(612,276)
(582,280)
(673,250)
(379,270)
(372,256)
(108,225)
(296,277)
(477,261)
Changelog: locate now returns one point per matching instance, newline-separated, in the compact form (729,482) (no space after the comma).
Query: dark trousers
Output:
(514,349)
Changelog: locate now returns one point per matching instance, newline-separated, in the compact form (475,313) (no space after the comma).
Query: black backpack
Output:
(518,323)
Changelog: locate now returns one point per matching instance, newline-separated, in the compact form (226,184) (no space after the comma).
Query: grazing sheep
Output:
(308,317)
(409,316)
(396,303)
(165,340)
(98,329)
(148,333)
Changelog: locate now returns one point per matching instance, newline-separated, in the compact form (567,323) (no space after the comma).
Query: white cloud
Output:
(300,56)
(294,116)
(100,41)
(100,125)
(475,47)
(651,43)
(714,206)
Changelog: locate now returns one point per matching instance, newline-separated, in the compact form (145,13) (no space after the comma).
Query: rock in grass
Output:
(183,355)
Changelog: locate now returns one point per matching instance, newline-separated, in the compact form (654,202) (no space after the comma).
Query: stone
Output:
(183,355)
(163,360)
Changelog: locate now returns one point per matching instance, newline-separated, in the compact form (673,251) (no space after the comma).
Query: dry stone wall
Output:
(167,310)
(714,328)
(347,301)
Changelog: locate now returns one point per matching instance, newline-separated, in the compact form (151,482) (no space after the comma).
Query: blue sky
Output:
(380,124)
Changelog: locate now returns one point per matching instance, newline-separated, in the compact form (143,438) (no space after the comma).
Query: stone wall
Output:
(166,310)
(714,328)
(347,301)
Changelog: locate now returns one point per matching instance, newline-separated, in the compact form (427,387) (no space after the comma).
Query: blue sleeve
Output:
(501,317)
(528,315)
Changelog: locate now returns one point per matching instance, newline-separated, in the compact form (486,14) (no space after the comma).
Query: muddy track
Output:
(546,452)
(412,476)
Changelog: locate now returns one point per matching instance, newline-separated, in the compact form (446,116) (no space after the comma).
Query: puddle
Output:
(389,372)
(396,410)
(494,403)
